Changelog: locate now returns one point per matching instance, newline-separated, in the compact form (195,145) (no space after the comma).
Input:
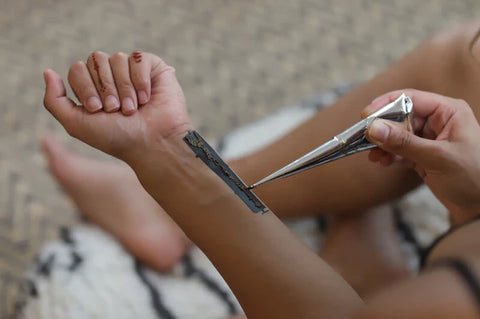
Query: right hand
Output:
(443,148)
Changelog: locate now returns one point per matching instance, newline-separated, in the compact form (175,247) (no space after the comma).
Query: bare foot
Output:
(110,195)
(365,250)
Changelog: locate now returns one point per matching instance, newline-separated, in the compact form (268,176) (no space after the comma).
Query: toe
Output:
(55,154)
(51,147)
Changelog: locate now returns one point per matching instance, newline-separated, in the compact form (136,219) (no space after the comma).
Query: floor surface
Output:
(237,61)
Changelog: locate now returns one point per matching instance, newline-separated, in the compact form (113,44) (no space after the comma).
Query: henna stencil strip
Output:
(208,155)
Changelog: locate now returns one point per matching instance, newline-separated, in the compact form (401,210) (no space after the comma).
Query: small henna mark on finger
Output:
(137,56)
(97,70)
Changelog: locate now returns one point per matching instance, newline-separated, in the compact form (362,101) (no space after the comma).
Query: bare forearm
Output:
(460,243)
(441,65)
(272,273)
(439,291)
(325,188)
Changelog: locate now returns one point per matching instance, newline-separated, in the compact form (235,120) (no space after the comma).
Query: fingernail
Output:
(111,103)
(94,104)
(45,72)
(379,131)
(142,97)
(127,104)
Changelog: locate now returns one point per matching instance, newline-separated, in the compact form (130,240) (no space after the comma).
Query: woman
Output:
(270,271)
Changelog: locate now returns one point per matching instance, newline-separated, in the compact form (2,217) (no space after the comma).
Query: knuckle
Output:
(169,68)
(125,86)
(86,90)
(405,140)
(462,104)
(398,139)
(409,91)
(160,64)
(96,56)
(137,52)
(136,56)
(76,67)
(105,87)
(160,61)
(142,81)
(119,56)
(99,54)
(464,109)
(109,89)
(91,56)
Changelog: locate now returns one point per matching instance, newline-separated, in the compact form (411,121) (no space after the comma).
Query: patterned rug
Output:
(237,61)
(87,274)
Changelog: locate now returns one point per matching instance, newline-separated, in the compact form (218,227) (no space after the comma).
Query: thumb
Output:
(394,138)
(57,102)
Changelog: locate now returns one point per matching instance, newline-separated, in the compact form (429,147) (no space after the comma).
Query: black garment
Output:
(463,270)
(424,254)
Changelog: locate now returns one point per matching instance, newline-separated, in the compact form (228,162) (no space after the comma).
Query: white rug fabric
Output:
(87,274)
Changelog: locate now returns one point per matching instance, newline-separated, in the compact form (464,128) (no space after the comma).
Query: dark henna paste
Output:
(96,67)
(208,155)
(137,56)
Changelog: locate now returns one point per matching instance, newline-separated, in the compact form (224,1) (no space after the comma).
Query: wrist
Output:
(171,173)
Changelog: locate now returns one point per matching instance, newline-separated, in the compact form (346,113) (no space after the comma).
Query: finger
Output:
(407,163)
(394,138)
(102,76)
(430,112)
(387,159)
(375,154)
(380,102)
(58,104)
(83,87)
(140,68)
(383,100)
(121,74)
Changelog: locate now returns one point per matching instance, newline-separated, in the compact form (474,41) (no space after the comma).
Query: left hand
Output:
(101,84)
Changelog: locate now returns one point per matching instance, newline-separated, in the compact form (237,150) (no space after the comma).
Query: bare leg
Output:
(443,64)
(110,195)
(437,65)
(365,250)
(437,292)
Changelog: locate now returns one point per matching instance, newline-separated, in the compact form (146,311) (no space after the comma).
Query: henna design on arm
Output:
(208,155)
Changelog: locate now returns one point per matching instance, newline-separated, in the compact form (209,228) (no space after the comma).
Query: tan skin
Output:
(150,141)
(443,64)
